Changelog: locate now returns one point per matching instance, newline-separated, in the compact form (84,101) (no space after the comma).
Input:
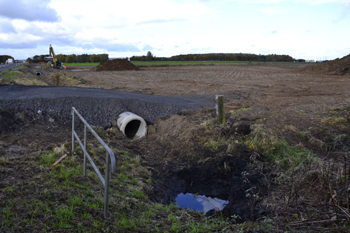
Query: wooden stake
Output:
(220,109)
(59,160)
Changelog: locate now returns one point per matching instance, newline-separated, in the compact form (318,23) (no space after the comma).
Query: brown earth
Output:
(306,108)
(334,67)
(115,65)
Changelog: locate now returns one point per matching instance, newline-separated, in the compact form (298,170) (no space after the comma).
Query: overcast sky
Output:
(308,29)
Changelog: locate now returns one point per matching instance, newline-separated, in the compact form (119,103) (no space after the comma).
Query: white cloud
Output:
(6,26)
(34,10)
(126,13)
(309,2)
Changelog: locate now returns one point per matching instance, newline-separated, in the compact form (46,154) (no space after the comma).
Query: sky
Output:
(308,29)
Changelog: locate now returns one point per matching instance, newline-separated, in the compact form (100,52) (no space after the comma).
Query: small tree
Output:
(149,56)
(29,60)
(92,58)
(60,57)
(97,58)
(69,59)
(103,57)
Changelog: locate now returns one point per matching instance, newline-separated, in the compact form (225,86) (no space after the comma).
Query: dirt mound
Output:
(115,65)
(335,67)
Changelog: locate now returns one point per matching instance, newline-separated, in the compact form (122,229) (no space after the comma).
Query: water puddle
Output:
(199,202)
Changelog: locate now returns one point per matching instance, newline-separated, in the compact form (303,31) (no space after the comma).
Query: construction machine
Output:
(56,64)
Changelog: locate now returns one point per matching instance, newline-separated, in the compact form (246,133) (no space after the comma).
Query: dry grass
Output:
(56,79)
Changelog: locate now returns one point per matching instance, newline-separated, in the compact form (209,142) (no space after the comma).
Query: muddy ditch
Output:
(182,161)
(177,149)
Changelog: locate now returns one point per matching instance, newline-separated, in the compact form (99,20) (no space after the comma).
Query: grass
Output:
(60,199)
(7,74)
(17,77)
(277,149)
(241,110)
(264,142)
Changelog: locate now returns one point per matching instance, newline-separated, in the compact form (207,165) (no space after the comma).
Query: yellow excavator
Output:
(55,64)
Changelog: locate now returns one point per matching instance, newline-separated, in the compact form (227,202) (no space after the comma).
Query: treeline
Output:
(3,58)
(83,58)
(218,57)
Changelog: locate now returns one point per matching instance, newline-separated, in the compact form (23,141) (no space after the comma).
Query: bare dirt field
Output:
(273,109)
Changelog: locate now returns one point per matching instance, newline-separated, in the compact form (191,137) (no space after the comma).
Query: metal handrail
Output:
(109,154)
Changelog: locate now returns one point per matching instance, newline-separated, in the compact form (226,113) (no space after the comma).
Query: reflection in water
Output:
(199,203)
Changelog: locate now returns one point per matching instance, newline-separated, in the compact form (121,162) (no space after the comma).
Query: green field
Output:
(167,63)
(82,64)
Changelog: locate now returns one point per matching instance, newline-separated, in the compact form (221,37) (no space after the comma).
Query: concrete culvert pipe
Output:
(38,73)
(132,125)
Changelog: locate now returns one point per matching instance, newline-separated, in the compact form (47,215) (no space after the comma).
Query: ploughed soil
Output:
(183,151)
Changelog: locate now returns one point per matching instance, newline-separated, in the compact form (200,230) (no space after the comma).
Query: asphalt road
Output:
(97,106)
(4,67)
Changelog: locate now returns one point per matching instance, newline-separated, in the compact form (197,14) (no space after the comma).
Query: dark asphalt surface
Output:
(17,92)
(4,67)
(97,106)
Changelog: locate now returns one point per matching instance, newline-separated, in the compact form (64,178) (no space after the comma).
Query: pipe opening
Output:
(132,128)
(38,73)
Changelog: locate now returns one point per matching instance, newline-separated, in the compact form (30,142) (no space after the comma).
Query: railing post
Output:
(106,185)
(109,156)
(72,131)
(85,142)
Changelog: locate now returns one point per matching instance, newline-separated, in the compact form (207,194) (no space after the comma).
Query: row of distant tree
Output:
(216,57)
(83,58)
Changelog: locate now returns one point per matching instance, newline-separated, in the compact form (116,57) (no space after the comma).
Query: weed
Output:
(123,177)
(7,213)
(138,194)
(75,201)
(303,133)
(172,218)
(241,110)
(92,152)
(209,124)
(176,227)
(85,215)
(64,216)
(127,224)
(215,144)
(56,79)
(60,150)
(96,224)
(79,186)
(48,159)
(31,183)
(277,149)
(95,206)
(7,74)
(11,190)
(4,161)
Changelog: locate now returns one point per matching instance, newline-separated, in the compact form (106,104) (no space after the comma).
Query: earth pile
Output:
(334,67)
(115,65)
